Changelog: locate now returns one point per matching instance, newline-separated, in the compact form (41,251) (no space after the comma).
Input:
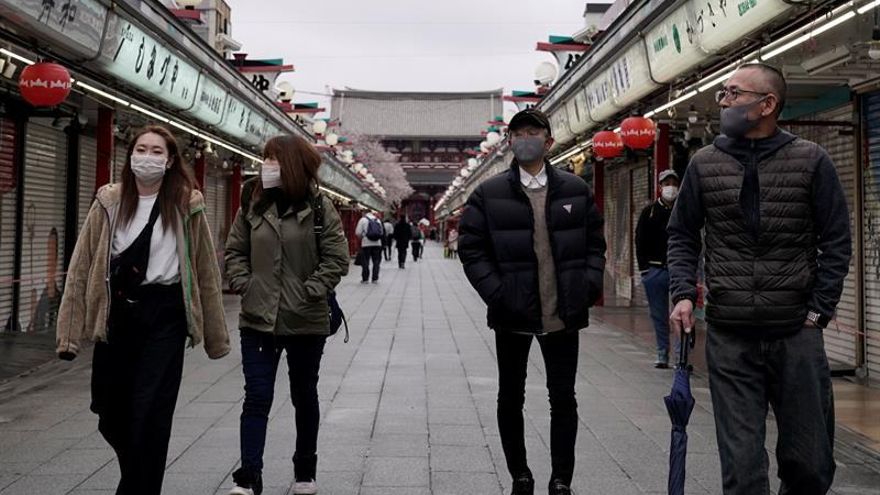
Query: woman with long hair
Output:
(285,254)
(143,278)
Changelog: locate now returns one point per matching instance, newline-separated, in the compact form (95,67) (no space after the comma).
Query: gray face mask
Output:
(735,122)
(528,149)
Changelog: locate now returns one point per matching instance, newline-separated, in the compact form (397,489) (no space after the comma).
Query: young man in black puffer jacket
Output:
(532,245)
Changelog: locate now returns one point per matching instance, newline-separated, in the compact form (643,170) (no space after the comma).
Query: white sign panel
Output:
(673,46)
(600,96)
(77,24)
(579,114)
(630,77)
(559,124)
(143,61)
(719,23)
(235,118)
(210,101)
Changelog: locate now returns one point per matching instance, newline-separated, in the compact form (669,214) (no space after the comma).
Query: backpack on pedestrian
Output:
(375,231)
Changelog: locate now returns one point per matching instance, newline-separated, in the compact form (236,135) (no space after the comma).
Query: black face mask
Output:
(735,121)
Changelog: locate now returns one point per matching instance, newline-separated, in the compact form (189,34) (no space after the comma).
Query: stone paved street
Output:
(408,408)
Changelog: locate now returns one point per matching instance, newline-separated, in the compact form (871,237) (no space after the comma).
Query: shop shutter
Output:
(8,195)
(88,157)
(640,199)
(44,204)
(871,244)
(216,202)
(618,234)
(120,150)
(840,142)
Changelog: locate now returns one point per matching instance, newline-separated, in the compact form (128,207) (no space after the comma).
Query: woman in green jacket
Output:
(284,275)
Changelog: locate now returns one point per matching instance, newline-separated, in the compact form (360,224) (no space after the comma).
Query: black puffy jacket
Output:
(497,250)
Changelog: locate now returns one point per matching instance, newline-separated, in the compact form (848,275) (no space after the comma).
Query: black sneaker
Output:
(246,482)
(523,485)
(557,487)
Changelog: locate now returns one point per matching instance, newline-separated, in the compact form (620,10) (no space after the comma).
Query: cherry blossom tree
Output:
(384,165)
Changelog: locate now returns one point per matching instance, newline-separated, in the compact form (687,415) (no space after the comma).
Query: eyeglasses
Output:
(731,94)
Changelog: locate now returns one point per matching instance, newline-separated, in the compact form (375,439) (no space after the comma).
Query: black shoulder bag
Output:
(128,269)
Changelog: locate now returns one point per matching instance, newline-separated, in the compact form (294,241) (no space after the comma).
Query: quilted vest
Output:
(761,282)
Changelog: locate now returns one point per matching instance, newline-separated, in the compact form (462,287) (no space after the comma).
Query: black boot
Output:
(523,484)
(558,487)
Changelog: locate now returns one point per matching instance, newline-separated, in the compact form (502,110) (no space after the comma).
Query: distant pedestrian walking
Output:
(372,234)
(388,240)
(777,249)
(533,248)
(418,242)
(284,268)
(651,240)
(143,278)
(452,243)
(402,236)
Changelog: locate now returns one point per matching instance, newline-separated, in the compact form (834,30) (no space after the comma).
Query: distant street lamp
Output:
(331,139)
(319,127)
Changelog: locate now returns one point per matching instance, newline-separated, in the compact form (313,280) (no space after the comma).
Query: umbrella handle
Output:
(687,343)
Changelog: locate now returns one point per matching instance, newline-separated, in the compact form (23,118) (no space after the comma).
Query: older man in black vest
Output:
(532,246)
(778,246)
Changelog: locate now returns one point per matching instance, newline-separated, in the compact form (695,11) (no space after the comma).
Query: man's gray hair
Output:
(774,79)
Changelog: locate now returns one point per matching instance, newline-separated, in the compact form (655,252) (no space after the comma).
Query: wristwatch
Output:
(820,321)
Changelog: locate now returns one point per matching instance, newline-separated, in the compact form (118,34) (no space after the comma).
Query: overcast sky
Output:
(403,45)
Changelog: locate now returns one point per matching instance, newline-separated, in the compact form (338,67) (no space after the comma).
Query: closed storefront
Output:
(641,175)
(834,130)
(45,182)
(618,217)
(871,242)
(88,153)
(8,194)
(216,200)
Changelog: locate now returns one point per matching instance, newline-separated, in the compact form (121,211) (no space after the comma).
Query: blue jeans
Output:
(260,354)
(656,282)
(790,374)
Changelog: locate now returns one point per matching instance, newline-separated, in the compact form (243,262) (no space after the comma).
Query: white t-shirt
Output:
(164,265)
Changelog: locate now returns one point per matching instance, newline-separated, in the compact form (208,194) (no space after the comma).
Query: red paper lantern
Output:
(638,132)
(44,84)
(607,144)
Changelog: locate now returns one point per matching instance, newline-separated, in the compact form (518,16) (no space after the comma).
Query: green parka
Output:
(274,264)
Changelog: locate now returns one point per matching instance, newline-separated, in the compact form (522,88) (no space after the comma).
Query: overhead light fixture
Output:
(693,115)
(16,56)
(102,93)
(812,33)
(868,6)
(680,99)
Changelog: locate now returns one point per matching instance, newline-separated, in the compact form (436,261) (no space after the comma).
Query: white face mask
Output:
(669,193)
(148,169)
(270,173)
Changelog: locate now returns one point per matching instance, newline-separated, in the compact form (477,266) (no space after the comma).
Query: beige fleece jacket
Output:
(85,303)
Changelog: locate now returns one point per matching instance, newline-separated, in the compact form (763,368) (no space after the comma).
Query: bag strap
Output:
(318,211)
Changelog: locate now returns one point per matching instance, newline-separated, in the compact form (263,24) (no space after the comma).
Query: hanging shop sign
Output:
(44,84)
(637,132)
(76,25)
(579,114)
(210,101)
(631,77)
(144,62)
(607,144)
(600,96)
(673,45)
(720,23)
(559,125)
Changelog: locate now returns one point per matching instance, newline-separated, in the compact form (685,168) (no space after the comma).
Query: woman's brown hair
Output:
(299,162)
(177,185)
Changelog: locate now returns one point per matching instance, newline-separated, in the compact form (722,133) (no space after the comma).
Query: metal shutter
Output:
(618,232)
(216,201)
(8,194)
(44,204)
(88,157)
(120,150)
(871,244)
(840,142)
(640,199)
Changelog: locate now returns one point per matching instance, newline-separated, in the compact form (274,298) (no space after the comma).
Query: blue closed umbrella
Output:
(680,403)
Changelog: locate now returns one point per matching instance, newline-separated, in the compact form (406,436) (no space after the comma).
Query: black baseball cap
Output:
(532,117)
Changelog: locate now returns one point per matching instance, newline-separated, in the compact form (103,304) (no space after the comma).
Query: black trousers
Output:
(372,254)
(560,351)
(417,250)
(791,374)
(136,376)
(260,354)
(401,254)
(386,247)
